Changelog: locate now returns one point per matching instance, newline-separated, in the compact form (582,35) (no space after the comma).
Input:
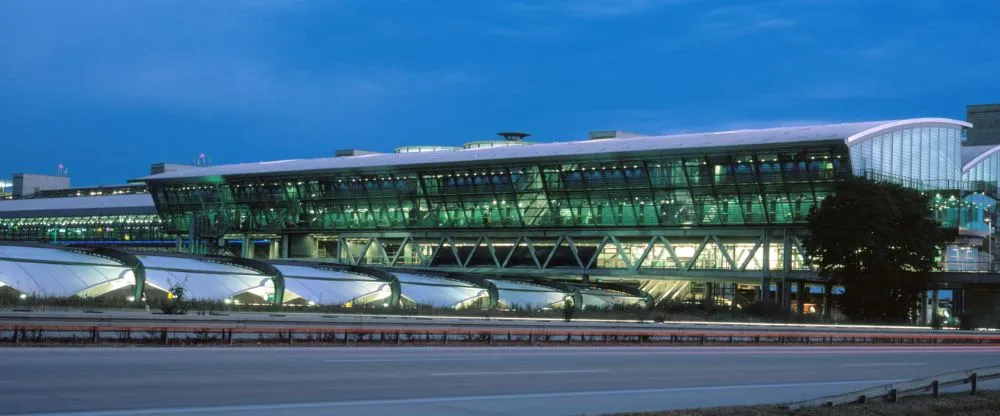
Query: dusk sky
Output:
(109,87)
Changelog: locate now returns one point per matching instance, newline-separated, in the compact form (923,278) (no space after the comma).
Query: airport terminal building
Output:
(711,216)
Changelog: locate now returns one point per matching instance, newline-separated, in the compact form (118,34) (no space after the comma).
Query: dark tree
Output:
(880,242)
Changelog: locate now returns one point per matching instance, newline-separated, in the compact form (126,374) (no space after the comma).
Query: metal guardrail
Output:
(293,320)
(892,392)
(417,335)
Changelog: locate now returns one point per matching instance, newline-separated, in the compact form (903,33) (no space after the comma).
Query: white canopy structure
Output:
(438,292)
(603,298)
(52,271)
(64,271)
(322,286)
(514,294)
(205,278)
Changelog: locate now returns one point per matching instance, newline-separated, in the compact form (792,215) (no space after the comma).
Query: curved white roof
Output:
(42,271)
(527,295)
(602,298)
(972,155)
(78,206)
(330,287)
(908,123)
(203,279)
(848,132)
(437,292)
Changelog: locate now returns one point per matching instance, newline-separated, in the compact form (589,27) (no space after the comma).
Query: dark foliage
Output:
(880,242)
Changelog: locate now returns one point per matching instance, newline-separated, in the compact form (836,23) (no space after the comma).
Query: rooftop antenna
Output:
(61,170)
(513,136)
(202,160)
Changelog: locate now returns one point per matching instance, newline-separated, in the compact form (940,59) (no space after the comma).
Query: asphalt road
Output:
(435,381)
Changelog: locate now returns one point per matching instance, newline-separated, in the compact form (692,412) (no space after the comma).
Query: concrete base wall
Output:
(983,307)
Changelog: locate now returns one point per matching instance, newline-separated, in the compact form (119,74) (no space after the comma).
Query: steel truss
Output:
(694,254)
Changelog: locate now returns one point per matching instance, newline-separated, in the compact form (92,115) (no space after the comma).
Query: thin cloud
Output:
(733,22)
(216,58)
(594,9)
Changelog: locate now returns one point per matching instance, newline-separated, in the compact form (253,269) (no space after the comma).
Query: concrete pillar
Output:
(784,295)
(301,246)
(733,297)
(765,284)
(273,249)
(779,293)
(828,301)
(247,251)
(180,244)
(800,297)
(924,319)
(283,247)
(934,304)
(709,296)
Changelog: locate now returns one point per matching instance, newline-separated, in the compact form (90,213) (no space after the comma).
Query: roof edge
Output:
(867,134)
(979,158)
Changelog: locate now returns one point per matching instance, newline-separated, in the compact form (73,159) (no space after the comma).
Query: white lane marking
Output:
(435,400)
(503,373)
(881,364)
(401,360)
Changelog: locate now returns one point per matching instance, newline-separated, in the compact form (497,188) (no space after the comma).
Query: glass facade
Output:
(108,228)
(751,188)
(926,157)
(985,172)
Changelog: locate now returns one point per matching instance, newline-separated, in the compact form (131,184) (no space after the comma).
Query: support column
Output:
(180,244)
(923,319)
(709,296)
(934,304)
(800,297)
(247,247)
(299,246)
(734,297)
(828,302)
(786,269)
(765,282)
(284,246)
(273,250)
(779,294)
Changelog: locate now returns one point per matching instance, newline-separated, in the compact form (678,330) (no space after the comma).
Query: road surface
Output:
(461,381)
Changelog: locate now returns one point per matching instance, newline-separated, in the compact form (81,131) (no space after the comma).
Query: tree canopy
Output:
(880,242)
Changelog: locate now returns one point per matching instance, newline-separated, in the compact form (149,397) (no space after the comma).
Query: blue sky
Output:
(108,87)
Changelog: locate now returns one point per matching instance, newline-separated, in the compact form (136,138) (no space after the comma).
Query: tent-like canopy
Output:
(207,278)
(44,271)
(438,292)
(516,294)
(317,284)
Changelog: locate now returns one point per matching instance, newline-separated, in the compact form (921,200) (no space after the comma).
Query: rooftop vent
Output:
(421,149)
(513,136)
(611,134)
(353,152)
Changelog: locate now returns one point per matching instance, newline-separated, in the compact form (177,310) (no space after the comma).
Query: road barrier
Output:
(893,392)
(433,335)
(294,320)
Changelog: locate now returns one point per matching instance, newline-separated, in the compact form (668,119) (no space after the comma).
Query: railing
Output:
(989,188)
(893,392)
(429,335)
(971,266)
